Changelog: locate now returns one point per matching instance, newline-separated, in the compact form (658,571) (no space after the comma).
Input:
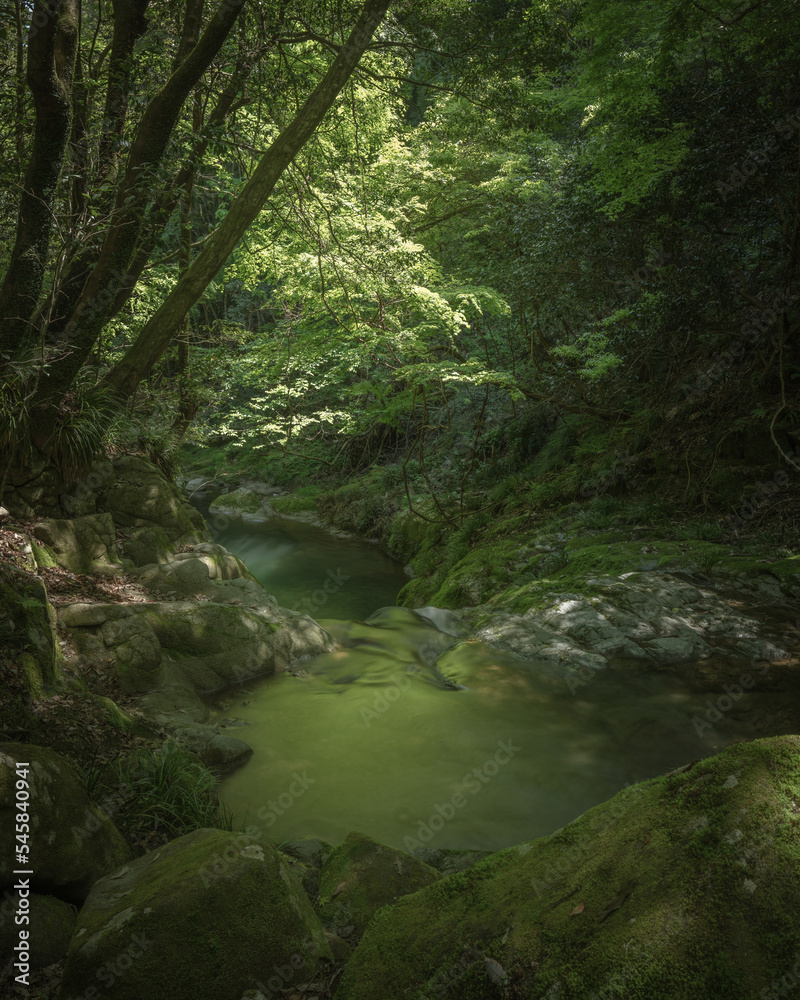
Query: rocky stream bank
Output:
(117,604)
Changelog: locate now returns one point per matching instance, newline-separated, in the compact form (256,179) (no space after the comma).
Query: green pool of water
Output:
(420,739)
(311,570)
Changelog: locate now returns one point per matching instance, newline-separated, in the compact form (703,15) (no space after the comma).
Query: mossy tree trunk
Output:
(132,197)
(52,47)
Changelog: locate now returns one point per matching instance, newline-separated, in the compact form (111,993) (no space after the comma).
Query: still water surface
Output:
(415,737)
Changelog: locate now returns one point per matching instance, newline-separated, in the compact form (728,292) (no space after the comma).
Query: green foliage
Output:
(163,792)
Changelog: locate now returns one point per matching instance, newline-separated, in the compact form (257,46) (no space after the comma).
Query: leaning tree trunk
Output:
(156,334)
(155,129)
(52,46)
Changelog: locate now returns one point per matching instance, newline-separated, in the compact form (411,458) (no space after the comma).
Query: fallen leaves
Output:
(578,909)
(495,971)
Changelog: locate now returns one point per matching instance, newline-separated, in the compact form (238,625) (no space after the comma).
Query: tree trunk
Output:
(155,335)
(133,193)
(129,25)
(52,44)
(161,212)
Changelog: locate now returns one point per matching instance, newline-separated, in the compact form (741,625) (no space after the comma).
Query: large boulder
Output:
(144,546)
(360,876)
(217,751)
(172,652)
(210,915)
(27,630)
(141,496)
(83,544)
(241,501)
(72,842)
(680,887)
(190,572)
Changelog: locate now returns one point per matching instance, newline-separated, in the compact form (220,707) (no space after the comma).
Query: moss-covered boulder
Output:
(210,915)
(360,877)
(83,544)
(72,841)
(241,501)
(140,496)
(217,751)
(50,924)
(144,546)
(170,653)
(28,641)
(681,887)
(189,573)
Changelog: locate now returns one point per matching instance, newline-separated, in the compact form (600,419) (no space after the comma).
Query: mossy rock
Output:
(114,714)
(212,914)
(410,533)
(140,496)
(241,501)
(27,629)
(144,546)
(306,858)
(171,651)
(302,501)
(50,925)
(44,556)
(678,887)
(72,842)
(82,545)
(360,877)
(217,751)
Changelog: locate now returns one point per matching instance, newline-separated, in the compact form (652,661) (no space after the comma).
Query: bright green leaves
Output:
(627,167)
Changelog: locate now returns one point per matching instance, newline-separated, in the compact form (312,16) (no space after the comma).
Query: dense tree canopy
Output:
(354,229)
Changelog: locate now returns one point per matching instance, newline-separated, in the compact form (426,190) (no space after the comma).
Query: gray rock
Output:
(136,650)
(140,496)
(148,545)
(171,652)
(638,616)
(217,752)
(28,628)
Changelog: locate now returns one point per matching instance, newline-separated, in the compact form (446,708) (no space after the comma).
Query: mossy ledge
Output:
(681,886)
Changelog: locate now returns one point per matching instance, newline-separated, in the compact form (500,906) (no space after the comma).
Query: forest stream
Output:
(421,738)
